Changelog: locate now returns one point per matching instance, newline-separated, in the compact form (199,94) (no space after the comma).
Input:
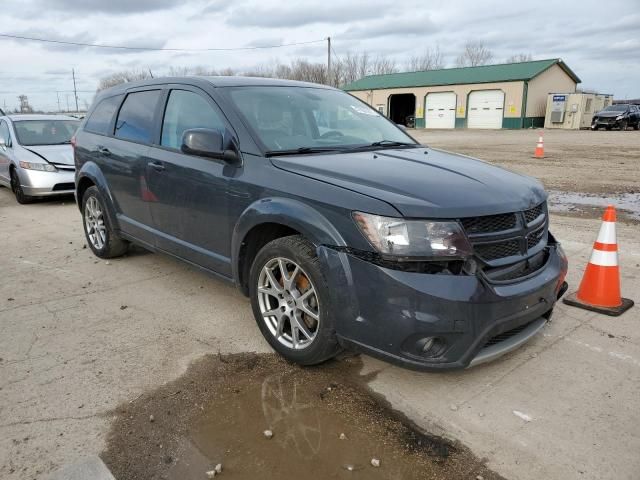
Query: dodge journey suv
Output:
(342,230)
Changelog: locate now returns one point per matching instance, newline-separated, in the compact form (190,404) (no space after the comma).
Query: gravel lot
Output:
(80,337)
(580,161)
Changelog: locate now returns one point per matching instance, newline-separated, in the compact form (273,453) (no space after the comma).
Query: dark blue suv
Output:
(343,231)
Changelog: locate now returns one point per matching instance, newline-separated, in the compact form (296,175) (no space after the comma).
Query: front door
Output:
(4,152)
(188,194)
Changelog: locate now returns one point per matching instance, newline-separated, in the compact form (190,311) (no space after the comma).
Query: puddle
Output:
(217,413)
(627,204)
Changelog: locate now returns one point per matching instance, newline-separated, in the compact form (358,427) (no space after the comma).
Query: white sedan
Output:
(36,156)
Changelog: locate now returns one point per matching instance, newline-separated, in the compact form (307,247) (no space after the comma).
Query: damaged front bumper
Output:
(438,321)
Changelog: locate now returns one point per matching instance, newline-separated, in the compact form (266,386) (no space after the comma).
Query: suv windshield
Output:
(44,132)
(303,118)
(615,108)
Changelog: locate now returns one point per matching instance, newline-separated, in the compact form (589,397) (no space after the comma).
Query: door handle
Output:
(104,150)
(157,166)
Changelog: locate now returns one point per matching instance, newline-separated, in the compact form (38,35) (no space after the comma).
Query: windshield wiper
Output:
(392,143)
(66,142)
(302,151)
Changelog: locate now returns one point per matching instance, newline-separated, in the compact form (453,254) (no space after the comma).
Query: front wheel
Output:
(99,232)
(291,303)
(17,189)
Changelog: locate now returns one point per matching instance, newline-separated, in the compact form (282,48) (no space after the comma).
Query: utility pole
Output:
(58,95)
(75,92)
(67,95)
(329,61)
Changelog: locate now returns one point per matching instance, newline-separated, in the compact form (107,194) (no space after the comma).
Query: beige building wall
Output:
(552,80)
(512,100)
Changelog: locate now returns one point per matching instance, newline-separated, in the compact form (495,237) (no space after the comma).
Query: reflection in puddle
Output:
(628,203)
(325,424)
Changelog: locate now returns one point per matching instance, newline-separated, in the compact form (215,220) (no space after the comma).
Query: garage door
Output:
(485,109)
(440,110)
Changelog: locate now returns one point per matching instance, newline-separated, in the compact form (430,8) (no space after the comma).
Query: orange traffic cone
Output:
(539,153)
(600,287)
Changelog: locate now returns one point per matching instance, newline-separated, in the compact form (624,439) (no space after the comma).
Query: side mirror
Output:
(207,142)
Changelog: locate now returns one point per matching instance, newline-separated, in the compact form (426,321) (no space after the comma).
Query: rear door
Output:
(123,160)
(189,206)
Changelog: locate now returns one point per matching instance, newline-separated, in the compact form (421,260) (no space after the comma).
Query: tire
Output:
(101,237)
(623,126)
(17,189)
(637,125)
(293,251)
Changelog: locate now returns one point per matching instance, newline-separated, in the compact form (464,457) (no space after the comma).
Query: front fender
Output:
(284,211)
(92,172)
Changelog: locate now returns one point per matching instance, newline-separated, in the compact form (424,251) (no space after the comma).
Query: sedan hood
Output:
(56,154)
(608,114)
(422,182)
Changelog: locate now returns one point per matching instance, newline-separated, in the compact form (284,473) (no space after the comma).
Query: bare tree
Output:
(382,65)
(473,55)
(430,59)
(122,77)
(520,57)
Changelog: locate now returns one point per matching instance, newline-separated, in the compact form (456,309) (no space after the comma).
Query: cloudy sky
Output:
(599,40)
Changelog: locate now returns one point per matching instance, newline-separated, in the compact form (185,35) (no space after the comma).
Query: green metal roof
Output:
(506,72)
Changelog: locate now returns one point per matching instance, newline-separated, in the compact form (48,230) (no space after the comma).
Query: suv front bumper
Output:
(389,313)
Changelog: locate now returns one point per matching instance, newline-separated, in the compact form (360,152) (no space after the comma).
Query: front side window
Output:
(287,118)
(44,132)
(136,117)
(100,119)
(186,110)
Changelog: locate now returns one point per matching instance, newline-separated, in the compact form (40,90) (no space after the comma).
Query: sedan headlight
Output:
(619,117)
(43,167)
(398,237)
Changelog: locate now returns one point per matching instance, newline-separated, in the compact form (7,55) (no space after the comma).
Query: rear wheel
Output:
(290,301)
(17,189)
(99,232)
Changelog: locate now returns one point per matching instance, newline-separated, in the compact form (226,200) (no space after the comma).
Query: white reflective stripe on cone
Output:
(607,233)
(604,259)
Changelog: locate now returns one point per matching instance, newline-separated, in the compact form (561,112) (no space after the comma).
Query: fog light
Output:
(431,346)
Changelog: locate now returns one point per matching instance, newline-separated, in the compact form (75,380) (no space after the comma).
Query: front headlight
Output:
(43,167)
(619,117)
(398,237)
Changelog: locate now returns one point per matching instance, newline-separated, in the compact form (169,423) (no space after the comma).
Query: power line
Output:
(124,47)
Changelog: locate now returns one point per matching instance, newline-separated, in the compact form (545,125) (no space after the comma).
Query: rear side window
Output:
(187,110)
(100,119)
(135,120)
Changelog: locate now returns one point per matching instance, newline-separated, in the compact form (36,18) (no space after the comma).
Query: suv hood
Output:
(56,154)
(422,182)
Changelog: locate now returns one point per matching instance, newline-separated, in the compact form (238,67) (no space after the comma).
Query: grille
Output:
(58,187)
(489,223)
(505,335)
(492,251)
(533,213)
(534,238)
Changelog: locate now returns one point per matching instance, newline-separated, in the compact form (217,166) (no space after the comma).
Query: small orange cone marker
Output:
(600,287)
(539,153)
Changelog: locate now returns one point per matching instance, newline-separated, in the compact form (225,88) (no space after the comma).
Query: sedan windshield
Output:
(615,108)
(45,132)
(287,119)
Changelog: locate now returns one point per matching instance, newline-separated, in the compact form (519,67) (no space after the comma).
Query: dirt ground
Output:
(217,412)
(601,162)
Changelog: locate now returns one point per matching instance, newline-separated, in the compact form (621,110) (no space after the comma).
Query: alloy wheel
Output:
(94,223)
(288,303)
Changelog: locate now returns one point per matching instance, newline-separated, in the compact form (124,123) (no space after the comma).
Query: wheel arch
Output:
(271,218)
(88,176)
